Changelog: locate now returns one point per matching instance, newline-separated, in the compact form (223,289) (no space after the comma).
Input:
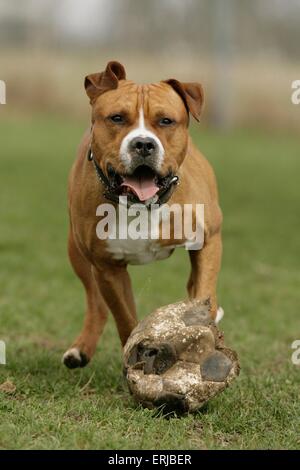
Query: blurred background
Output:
(246,53)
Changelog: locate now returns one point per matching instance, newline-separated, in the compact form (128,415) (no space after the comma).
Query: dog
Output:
(138,146)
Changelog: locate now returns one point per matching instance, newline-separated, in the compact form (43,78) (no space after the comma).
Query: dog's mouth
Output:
(142,185)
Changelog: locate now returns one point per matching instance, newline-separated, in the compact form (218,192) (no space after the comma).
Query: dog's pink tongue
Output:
(143,187)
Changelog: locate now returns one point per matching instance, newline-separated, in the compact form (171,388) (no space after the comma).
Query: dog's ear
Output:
(97,83)
(191,94)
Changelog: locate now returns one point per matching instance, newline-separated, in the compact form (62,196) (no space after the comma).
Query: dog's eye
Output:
(166,121)
(117,118)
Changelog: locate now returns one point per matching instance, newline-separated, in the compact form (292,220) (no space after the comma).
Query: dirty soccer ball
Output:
(176,358)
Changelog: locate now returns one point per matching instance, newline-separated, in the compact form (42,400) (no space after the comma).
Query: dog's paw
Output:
(220,315)
(74,358)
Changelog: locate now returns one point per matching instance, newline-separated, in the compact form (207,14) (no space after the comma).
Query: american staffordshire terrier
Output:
(138,146)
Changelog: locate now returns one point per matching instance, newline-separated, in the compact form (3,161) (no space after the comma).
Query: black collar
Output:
(104,180)
(110,189)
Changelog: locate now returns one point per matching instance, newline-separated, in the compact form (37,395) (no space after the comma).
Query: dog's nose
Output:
(143,146)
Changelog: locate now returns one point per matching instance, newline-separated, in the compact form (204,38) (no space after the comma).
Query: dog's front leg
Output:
(115,285)
(84,346)
(204,273)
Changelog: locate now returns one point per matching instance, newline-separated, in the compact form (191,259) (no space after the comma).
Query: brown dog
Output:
(138,146)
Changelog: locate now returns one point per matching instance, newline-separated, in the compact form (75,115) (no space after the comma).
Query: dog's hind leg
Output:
(83,348)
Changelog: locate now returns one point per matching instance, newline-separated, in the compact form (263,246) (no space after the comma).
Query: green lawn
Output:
(41,302)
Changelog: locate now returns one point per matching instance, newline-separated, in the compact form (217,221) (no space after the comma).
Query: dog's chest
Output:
(137,251)
(133,249)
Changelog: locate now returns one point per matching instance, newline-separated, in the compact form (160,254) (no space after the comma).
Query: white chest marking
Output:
(137,251)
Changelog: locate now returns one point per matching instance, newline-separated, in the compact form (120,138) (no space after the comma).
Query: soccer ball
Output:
(176,358)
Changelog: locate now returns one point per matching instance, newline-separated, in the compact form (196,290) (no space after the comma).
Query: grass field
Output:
(41,302)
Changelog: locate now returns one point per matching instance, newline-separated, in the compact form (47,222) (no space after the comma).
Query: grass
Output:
(41,302)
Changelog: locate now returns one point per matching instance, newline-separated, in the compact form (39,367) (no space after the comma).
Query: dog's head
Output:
(140,132)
